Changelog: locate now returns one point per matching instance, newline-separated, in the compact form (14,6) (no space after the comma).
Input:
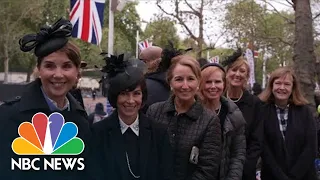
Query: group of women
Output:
(210,128)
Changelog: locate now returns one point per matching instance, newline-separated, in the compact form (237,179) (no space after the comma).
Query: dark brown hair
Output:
(71,50)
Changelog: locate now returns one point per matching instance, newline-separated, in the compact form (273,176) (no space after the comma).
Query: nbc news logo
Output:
(47,136)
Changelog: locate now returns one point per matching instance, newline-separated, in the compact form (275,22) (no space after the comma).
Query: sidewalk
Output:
(90,104)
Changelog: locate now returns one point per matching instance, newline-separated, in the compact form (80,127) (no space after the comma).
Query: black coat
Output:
(292,159)
(249,106)
(14,112)
(108,148)
(234,142)
(158,88)
(198,127)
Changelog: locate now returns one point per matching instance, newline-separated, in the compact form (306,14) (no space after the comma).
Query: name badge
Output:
(194,155)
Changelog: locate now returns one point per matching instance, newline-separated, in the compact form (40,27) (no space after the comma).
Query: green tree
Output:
(270,31)
(161,30)
(11,27)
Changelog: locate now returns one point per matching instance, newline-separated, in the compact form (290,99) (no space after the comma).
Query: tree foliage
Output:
(269,31)
(160,31)
(21,17)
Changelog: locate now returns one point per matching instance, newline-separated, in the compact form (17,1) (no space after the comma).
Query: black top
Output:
(249,106)
(222,116)
(131,141)
(109,147)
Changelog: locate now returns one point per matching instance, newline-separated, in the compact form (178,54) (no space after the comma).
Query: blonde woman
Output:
(237,75)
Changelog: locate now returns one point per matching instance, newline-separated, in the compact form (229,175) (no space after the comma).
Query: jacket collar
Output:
(234,118)
(192,113)
(33,99)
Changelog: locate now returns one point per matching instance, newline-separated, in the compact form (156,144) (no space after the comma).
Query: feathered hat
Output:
(122,73)
(231,59)
(168,53)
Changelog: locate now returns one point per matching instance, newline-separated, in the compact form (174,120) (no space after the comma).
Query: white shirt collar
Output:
(134,126)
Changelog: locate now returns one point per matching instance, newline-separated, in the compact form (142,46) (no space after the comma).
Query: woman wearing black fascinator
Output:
(127,145)
(237,75)
(58,63)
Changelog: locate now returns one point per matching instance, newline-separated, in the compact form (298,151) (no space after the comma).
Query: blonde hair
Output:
(235,66)
(205,74)
(184,60)
(296,96)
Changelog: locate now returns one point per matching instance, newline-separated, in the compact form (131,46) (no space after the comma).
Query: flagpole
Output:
(137,44)
(111,26)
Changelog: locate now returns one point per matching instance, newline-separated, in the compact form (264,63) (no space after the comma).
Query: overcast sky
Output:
(147,9)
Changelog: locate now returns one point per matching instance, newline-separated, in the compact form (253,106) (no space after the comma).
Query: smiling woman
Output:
(127,145)
(212,86)
(58,62)
(237,74)
(289,130)
(194,131)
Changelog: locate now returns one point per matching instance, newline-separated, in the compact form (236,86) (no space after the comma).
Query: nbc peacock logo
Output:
(47,136)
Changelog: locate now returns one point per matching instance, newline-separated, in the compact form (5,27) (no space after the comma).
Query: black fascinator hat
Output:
(122,73)
(48,40)
(231,59)
(168,53)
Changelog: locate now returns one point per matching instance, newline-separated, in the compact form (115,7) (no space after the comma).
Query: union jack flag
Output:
(86,17)
(214,59)
(144,44)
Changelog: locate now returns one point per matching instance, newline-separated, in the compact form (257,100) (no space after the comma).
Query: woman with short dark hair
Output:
(127,145)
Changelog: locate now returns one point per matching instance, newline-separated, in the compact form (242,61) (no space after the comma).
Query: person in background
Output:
(158,88)
(76,91)
(212,86)
(237,76)
(256,89)
(151,56)
(290,147)
(94,94)
(97,115)
(194,131)
(158,62)
(128,145)
(58,64)
(202,61)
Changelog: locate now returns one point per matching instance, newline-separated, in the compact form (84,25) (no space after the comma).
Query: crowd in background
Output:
(178,120)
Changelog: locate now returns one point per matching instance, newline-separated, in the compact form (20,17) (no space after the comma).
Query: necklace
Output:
(129,167)
(236,99)
(219,110)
